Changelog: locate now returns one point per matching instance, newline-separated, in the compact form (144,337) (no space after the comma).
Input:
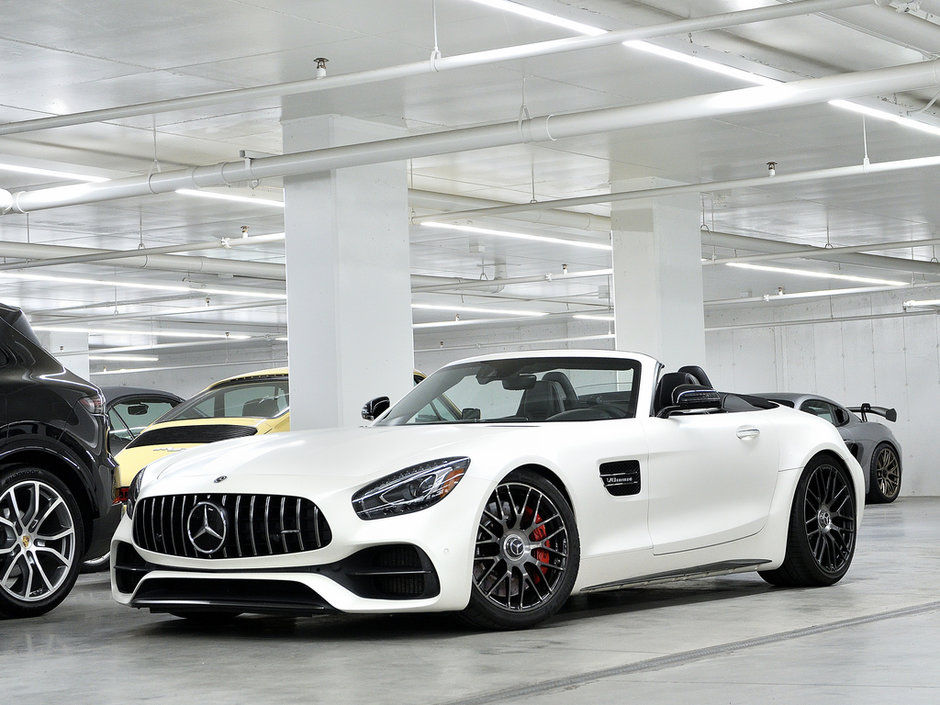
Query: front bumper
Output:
(415,562)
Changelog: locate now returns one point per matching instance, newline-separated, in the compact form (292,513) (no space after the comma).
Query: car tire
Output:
(526,556)
(822,528)
(41,541)
(885,479)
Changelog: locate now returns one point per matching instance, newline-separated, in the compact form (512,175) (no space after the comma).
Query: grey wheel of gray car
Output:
(885,484)
(526,557)
(41,539)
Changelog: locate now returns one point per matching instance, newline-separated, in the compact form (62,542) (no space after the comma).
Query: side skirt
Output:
(703,571)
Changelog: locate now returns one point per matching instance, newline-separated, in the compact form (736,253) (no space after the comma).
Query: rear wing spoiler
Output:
(865,409)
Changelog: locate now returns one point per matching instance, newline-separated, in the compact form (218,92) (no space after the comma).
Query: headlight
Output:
(133,491)
(411,489)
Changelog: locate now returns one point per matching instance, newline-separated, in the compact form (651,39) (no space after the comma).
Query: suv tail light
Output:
(94,404)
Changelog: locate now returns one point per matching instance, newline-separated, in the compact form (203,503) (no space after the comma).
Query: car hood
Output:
(335,457)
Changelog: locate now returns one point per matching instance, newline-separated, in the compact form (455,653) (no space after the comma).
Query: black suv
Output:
(55,473)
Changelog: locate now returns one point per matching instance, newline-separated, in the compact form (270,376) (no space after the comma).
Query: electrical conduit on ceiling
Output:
(436,64)
(544,128)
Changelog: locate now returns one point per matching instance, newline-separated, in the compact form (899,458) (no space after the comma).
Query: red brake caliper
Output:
(539,535)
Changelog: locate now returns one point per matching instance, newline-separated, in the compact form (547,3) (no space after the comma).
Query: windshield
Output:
(521,391)
(263,398)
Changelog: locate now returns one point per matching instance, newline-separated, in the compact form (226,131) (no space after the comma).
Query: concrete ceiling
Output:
(68,56)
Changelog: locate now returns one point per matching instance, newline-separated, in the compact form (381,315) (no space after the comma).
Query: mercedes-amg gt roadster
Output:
(496,488)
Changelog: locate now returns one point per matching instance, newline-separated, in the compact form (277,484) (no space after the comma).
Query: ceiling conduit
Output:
(436,64)
(540,129)
(719,239)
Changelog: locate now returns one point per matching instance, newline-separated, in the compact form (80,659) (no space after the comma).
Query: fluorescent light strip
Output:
(655,49)
(471,309)
(884,115)
(515,235)
(112,283)
(53,173)
(448,324)
(815,275)
(124,358)
(157,333)
(698,62)
(592,317)
(925,302)
(822,293)
(230,197)
(517,9)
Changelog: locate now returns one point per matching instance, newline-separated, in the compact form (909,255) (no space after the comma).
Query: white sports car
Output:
(496,488)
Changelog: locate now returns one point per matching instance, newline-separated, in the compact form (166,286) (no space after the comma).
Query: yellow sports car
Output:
(243,405)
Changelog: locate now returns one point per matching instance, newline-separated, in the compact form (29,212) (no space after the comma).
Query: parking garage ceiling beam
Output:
(436,64)
(546,128)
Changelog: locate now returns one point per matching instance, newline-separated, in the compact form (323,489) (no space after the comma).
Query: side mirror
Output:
(691,399)
(374,408)
(138,409)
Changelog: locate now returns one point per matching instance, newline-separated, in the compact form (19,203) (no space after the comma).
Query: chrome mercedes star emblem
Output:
(220,478)
(207,526)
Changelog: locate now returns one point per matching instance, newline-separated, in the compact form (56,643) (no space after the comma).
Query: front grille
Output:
(254,525)
(204,433)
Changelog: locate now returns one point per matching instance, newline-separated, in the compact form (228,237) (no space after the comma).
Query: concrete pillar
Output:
(348,285)
(71,349)
(658,278)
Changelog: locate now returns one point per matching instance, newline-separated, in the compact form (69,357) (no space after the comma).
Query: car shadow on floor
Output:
(345,627)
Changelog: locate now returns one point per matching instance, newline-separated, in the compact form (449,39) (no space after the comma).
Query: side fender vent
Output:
(622,477)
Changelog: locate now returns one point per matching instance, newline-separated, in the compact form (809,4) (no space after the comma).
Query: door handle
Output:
(746,432)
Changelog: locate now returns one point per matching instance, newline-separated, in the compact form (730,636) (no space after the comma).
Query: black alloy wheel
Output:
(41,541)
(822,528)
(885,485)
(526,556)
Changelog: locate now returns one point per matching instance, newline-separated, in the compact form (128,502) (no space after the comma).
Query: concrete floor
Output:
(872,638)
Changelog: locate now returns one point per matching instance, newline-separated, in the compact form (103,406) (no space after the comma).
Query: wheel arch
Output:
(836,458)
(549,475)
(63,469)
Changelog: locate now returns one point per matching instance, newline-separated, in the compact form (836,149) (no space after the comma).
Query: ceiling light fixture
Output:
(111,283)
(472,309)
(230,197)
(815,275)
(884,115)
(516,235)
(154,333)
(924,302)
(517,9)
(124,358)
(701,63)
(54,173)
(592,317)
(822,293)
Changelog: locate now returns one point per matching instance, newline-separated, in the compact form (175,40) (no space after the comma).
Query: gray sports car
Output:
(872,443)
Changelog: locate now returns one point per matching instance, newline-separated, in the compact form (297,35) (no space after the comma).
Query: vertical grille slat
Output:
(251,525)
(300,533)
(283,528)
(267,524)
(161,525)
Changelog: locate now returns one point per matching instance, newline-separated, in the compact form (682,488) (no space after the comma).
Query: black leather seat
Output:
(545,398)
(699,375)
(663,396)
(265,407)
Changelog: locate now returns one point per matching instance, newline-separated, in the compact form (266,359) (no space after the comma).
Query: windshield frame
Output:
(520,374)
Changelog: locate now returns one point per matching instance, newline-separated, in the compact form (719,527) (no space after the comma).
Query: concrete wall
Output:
(886,357)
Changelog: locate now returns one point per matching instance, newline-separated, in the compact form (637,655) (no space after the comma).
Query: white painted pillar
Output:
(658,278)
(348,284)
(71,349)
